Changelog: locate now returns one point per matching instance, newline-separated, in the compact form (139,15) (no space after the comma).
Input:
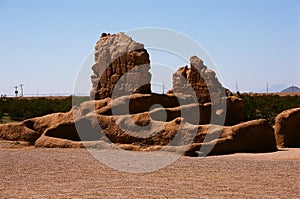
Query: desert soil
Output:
(28,172)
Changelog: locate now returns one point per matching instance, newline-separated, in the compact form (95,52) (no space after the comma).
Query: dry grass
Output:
(28,172)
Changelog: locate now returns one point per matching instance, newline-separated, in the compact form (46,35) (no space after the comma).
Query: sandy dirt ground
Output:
(28,172)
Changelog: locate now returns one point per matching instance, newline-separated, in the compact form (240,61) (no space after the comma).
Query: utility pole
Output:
(236,87)
(22,93)
(267,88)
(163,89)
(16,91)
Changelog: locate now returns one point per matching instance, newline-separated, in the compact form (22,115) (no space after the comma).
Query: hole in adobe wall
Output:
(64,131)
(68,131)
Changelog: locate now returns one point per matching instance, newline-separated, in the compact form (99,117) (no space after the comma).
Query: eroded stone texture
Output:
(205,86)
(115,56)
(287,128)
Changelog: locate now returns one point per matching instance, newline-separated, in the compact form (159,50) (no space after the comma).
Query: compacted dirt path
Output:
(28,172)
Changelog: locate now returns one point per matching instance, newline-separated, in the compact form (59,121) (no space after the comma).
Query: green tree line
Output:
(18,109)
(267,106)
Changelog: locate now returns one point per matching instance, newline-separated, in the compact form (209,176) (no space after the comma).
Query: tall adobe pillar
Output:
(203,81)
(115,56)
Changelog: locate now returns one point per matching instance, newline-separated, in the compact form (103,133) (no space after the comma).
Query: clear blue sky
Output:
(252,42)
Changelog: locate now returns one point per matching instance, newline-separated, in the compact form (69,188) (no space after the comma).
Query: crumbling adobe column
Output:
(115,56)
(203,81)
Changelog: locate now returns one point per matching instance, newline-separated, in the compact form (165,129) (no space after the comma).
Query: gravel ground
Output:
(28,172)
